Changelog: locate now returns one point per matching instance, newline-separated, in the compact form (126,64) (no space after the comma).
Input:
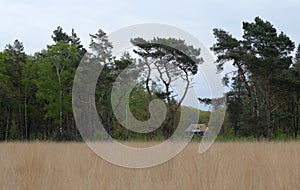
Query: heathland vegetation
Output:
(231,165)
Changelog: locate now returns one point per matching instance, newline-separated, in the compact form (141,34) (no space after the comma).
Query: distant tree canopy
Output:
(263,101)
(36,89)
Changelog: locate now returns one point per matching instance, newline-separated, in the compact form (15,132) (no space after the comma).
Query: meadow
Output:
(226,165)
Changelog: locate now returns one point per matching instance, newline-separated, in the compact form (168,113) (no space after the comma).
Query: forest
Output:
(263,101)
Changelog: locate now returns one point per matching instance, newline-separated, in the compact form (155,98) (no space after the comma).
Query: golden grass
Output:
(231,165)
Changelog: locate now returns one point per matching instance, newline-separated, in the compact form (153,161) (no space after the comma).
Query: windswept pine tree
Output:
(259,56)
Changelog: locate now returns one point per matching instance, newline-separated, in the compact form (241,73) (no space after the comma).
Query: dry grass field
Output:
(231,165)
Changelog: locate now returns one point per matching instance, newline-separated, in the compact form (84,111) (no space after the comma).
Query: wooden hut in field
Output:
(197,130)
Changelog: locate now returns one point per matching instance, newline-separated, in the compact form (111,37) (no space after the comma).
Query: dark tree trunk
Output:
(7,125)
(268,108)
(26,119)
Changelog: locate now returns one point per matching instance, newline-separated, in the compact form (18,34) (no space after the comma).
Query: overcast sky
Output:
(32,21)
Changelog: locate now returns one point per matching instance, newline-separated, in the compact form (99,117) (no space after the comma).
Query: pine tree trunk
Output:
(26,119)
(255,114)
(60,113)
(7,125)
(297,116)
(268,108)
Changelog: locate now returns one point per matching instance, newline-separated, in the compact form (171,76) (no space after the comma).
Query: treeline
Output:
(264,100)
(36,90)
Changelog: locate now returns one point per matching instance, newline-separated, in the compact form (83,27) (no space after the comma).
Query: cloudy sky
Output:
(32,21)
